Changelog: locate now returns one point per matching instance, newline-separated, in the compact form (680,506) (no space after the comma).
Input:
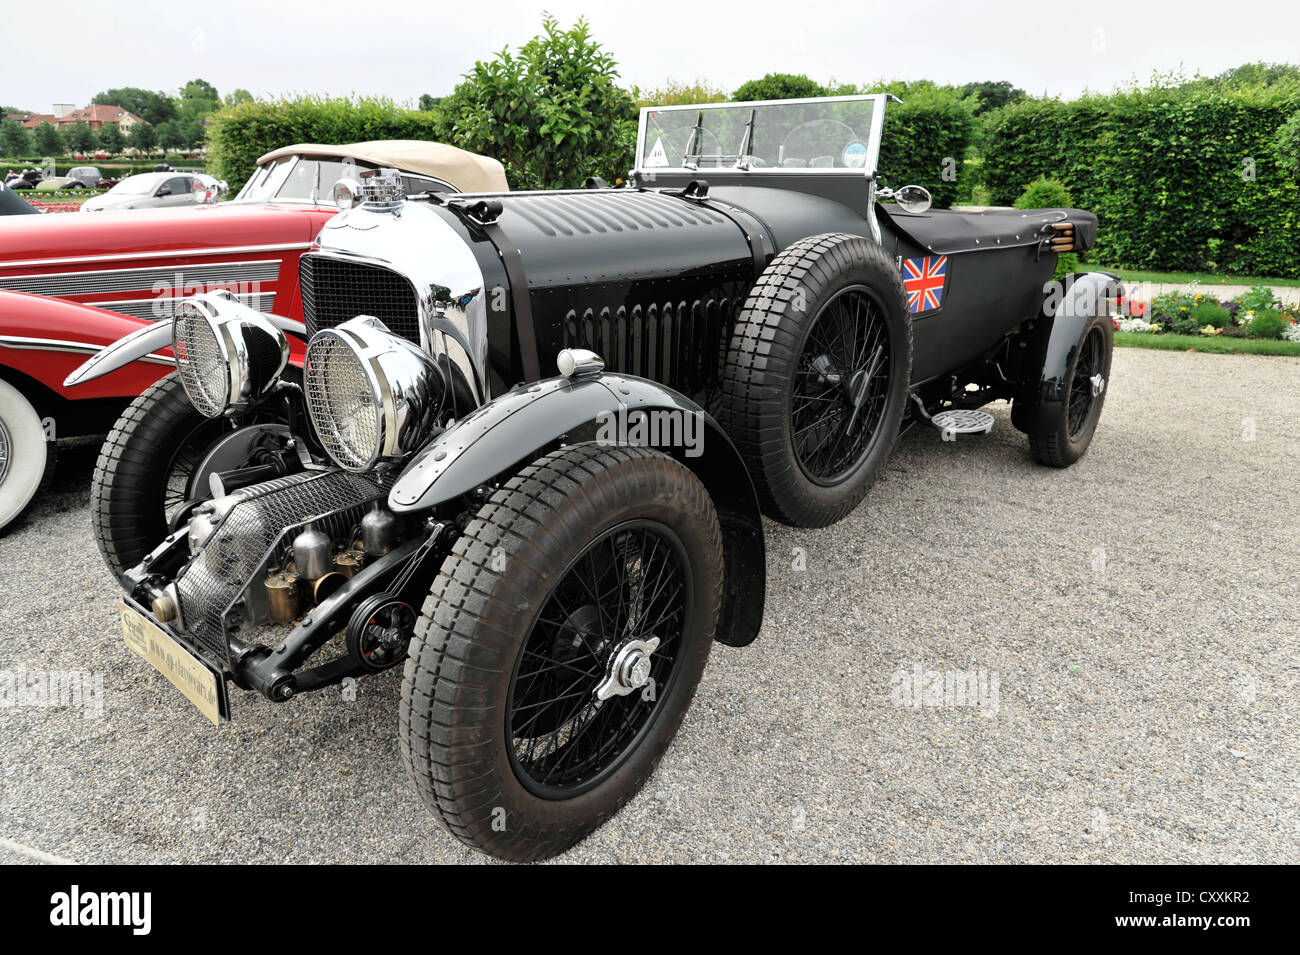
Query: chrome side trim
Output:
(171,253)
(145,307)
(134,280)
(79,348)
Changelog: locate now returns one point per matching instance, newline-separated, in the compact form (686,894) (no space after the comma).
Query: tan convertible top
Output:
(466,171)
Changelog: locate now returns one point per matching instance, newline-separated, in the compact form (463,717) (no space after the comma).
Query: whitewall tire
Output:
(25,456)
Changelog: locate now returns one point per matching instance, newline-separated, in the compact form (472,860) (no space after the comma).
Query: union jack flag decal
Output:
(924,280)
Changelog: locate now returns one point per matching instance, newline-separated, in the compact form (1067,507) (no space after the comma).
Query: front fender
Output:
(503,435)
(1067,310)
(46,338)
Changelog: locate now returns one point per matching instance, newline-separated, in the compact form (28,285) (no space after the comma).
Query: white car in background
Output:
(155,190)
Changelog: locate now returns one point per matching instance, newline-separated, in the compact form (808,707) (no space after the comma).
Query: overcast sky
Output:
(405,49)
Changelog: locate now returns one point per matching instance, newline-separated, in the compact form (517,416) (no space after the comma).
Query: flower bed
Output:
(1255,314)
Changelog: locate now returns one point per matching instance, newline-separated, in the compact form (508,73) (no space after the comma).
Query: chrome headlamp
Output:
(370,394)
(227,354)
(346,193)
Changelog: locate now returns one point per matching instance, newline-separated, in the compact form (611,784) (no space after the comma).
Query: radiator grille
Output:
(334,291)
(255,534)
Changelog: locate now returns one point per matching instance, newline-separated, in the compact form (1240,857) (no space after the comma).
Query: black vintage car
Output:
(743,330)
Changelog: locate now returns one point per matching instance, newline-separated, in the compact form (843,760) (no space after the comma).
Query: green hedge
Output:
(1166,172)
(924,143)
(240,134)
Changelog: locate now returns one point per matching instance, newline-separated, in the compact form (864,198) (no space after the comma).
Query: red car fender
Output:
(45,338)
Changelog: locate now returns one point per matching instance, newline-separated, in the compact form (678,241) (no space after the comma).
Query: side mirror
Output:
(913,199)
(163,191)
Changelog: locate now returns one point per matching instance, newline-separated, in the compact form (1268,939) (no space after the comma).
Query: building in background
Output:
(65,114)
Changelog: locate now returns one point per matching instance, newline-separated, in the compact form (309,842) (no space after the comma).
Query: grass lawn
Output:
(1205,278)
(1214,344)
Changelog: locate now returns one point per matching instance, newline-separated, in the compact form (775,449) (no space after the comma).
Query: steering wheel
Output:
(821,160)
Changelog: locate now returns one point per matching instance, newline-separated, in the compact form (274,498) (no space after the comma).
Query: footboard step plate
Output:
(963,421)
(202,684)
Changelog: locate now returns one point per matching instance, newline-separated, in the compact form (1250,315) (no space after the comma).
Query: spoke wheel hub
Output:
(629,668)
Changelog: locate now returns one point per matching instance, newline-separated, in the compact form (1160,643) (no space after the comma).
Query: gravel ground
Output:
(1133,620)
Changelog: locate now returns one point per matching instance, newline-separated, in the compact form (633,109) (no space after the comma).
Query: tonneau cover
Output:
(946,231)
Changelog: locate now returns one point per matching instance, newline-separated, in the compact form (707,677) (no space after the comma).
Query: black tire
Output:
(464,679)
(775,391)
(139,466)
(1061,437)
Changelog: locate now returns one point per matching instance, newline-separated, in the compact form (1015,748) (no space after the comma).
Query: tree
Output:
(79,137)
(15,141)
(47,140)
(552,113)
(237,97)
(193,133)
(992,94)
(144,138)
(779,86)
(111,139)
(199,98)
(169,135)
(428,102)
(150,106)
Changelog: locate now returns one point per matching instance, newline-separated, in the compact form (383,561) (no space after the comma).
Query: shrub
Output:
(552,113)
(1258,299)
(779,86)
(1269,323)
(1044,193)
(674,93)
(1182,179)
(1212,314)
(240,134)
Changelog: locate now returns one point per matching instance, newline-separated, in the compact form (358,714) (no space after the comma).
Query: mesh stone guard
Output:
(255,534)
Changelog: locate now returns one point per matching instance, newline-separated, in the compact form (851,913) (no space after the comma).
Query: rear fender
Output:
(1067,310)
(516,428)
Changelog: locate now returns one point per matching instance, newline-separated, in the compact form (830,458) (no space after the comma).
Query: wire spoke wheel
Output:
(1082,397)
(180,469)
(627,589)
(841,386)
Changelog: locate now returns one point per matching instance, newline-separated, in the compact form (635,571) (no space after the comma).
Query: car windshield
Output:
(298,179)
(136,186)
(839,132)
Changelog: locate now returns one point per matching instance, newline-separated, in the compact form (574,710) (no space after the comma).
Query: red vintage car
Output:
(74,283)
